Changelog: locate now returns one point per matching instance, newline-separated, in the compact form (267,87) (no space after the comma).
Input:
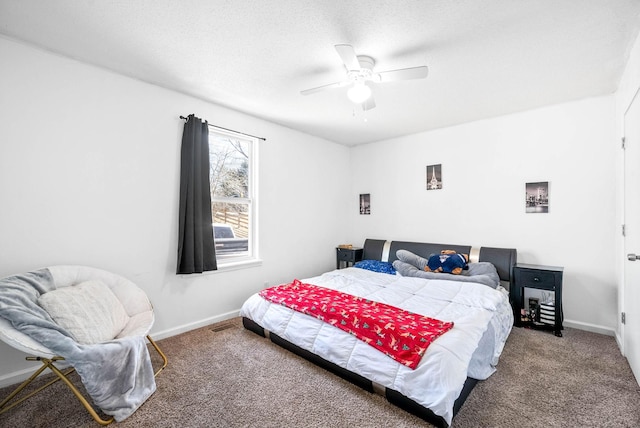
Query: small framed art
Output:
(434,177)
(537,197)
(365,203)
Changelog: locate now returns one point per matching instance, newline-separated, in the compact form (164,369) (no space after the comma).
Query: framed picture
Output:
(434,177)
(365,203)
(537,197)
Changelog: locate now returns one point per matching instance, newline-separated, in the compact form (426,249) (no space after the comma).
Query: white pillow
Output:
(89,311)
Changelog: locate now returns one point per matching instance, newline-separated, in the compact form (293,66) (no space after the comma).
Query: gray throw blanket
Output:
(117,374)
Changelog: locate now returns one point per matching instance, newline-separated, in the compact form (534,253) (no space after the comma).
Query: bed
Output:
(451,365)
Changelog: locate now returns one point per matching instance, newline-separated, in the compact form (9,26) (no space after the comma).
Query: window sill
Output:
(229,266)
(236,265)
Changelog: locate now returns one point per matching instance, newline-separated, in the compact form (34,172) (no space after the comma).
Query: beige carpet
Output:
(230,377)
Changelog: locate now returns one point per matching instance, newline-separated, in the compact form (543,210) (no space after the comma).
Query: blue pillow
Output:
(376,266)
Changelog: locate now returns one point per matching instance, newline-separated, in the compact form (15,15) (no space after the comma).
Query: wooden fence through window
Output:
(239,222)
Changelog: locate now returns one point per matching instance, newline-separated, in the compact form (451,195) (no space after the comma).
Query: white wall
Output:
(89,174)
(485,167)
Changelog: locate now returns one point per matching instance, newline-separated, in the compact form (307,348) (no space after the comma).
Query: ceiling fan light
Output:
(359,93)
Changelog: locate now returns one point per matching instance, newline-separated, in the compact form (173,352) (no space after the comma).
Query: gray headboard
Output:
(502,258)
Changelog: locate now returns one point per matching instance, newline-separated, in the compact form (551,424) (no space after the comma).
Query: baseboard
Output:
(21,375)
(589,327)
(619,342)
(158,335)
(17,377)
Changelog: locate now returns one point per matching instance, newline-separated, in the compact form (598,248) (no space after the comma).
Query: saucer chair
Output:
(137,322)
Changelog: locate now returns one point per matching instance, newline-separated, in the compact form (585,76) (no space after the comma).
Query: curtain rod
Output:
(227,129)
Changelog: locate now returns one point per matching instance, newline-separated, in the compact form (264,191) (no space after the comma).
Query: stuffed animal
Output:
(448,261)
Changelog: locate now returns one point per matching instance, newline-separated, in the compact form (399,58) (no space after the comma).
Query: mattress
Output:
(482,319)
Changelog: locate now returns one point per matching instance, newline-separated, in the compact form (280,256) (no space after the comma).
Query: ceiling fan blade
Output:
(368,104)
(404,74)
(323,87)
(349,57)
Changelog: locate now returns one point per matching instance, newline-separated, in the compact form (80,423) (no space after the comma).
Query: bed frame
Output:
(377,249)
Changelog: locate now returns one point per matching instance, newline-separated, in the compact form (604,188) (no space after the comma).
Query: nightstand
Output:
(542,278)
(348,255)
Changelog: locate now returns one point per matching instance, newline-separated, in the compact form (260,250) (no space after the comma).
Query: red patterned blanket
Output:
(402,335)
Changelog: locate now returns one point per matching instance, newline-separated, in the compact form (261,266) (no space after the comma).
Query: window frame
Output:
(252,256)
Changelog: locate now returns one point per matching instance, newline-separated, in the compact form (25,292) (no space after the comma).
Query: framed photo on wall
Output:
(365,203)
(434,177)
(537,197)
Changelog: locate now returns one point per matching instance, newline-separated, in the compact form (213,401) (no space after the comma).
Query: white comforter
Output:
(482,317)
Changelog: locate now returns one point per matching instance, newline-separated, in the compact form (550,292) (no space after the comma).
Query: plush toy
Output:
(448,261)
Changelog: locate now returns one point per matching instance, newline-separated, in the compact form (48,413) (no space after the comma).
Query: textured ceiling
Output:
(486,57)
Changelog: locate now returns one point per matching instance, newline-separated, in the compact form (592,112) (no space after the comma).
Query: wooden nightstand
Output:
(348,255)
(541,278)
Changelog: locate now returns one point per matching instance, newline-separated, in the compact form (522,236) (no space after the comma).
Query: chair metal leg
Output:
(77,393)
(48,363)
(164,357)
(7,403)
(4,405)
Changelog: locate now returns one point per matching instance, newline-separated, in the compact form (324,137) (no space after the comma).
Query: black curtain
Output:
(196,249)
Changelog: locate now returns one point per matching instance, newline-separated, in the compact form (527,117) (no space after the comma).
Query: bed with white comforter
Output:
(482,319)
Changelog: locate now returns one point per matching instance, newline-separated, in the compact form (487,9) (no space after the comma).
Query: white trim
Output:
(251,199)
(608,331)
(622,302)
(194,325)
(474,255)
(19,376)
(22,375)
(620,343)
(235,265)
(229,266)
(385,251)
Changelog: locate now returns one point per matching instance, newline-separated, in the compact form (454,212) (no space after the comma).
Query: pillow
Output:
(376,266)
(407,269)
(484,269)
(482,273)
(412,259)
(89,311)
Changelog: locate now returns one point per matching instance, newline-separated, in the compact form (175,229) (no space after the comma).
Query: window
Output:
(232,158)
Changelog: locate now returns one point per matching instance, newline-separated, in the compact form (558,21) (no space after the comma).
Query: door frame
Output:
(623,301)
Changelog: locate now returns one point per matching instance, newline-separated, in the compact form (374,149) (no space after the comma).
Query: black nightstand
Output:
(348,255)
(541,278)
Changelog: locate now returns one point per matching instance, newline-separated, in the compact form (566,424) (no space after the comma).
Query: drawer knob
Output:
(536,279)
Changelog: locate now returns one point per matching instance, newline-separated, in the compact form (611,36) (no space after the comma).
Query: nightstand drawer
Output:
(537,279)
(346,255)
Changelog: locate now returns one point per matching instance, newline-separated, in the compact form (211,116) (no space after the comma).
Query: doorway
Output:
(631,292)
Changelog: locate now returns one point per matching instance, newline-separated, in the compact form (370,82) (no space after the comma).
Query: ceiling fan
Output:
(360,74)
